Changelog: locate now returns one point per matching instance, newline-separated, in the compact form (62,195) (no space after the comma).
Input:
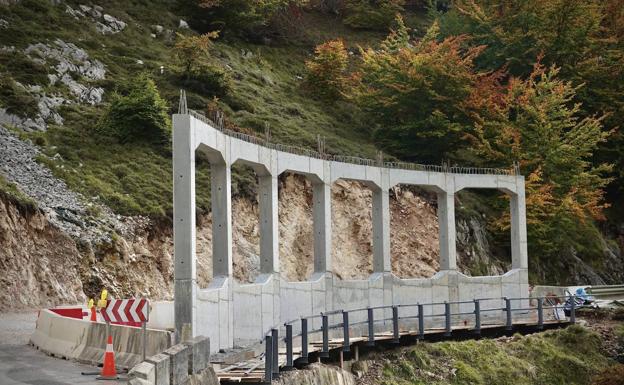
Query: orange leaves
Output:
(327,72)
(190,49)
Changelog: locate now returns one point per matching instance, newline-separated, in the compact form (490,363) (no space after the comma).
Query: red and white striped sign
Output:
(126,310)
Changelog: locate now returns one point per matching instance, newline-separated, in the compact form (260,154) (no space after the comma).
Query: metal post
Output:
(573,310)
(345,331)
(145,331)
(304,340)
(421,322)
(268,359)
(371,328)
(325,351)
(540,313)
(289,346)
(447,316)
(508,310)
(477,310)
(395,324)
(275,355)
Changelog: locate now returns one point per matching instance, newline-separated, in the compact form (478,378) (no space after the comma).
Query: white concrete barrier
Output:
(85,341)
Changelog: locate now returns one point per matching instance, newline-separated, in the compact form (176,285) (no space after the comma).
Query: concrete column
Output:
(519,254)
(185,277)
(321,215)
(221,206)
(446,220)
(269,224)
(381,231)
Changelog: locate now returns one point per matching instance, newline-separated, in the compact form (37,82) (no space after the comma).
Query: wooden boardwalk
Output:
(254,370)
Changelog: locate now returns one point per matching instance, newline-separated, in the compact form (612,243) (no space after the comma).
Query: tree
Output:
(190,49)
(537,123)
(326,72)
(139,115)
(413,92)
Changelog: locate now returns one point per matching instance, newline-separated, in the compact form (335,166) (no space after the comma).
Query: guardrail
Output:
(218,123)
(272,339)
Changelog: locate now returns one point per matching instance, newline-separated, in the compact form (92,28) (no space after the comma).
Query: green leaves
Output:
(140,115)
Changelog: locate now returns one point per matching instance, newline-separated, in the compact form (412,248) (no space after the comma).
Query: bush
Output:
(241,14)
(141,115)
(190,49)
(16,100)
(326,75)
(208,80)
(376,14)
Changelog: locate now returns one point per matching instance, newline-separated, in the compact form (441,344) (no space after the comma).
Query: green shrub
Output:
(15,99)
(141,115)
(208,80)
(372,14)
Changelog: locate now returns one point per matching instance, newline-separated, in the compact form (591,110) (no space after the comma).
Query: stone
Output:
(183,24)
(158,28)
(178,364)
(161,363)
(144,371)
(199,356)
(4,24)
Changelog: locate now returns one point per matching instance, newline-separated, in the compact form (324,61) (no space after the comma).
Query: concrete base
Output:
(326,292)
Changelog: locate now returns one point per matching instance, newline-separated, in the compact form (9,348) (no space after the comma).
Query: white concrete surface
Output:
(228,312)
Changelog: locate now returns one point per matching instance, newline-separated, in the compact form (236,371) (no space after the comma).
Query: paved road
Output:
(21,364)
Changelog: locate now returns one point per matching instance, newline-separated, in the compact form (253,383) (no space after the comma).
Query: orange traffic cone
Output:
(108,370)
(93,314)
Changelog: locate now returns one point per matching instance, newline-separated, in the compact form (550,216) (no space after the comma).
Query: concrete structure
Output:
(229,312)
(85,341)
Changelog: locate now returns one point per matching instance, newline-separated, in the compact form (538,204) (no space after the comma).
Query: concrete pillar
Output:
(446,220)
(519,254)
(221,206)
(381,231)
(185,276)
(321,215)
(269,224)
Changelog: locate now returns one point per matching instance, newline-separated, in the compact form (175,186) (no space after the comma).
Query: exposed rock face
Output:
(104,23)
(39,263)
(316,374)
(64,208)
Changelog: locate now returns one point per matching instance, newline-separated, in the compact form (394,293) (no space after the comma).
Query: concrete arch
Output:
(222,311)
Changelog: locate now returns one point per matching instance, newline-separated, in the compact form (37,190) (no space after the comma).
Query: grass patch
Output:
(13,194)
(568,356)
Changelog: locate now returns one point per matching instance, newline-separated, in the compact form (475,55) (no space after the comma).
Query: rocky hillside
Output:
(82,211)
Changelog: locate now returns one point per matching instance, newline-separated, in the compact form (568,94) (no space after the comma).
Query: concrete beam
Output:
(321,215)
(269,224)
(185,274)
(446,220)
(519,254)
(381,231)
(221,207)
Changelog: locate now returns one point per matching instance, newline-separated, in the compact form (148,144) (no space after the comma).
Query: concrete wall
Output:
(85,341)
(229,312)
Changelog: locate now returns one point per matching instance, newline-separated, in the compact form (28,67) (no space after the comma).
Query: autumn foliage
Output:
(327,71)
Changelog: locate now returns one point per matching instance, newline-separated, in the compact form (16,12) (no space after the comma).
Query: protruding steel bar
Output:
(477,310)
(289,346)
(268,359)
(275,355)
(304,341)
(395,325)
(371,328)
(447,316)
(421,322)
(508,311)
(345,331)
(325,351)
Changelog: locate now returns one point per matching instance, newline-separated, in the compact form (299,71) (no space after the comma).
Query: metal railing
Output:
(392,315)
(218,123)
